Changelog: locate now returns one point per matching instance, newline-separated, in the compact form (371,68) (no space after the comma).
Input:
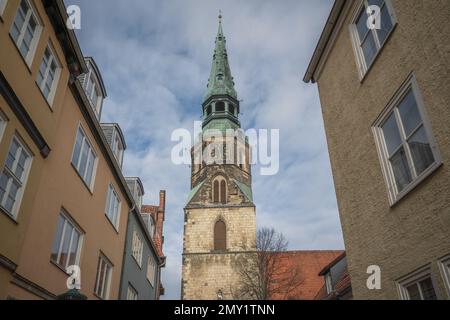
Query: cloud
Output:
(155,58)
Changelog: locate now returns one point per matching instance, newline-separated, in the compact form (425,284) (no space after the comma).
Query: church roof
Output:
(194,191)
(220,81)
(246,190)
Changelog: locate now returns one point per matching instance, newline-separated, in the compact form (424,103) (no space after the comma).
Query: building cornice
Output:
(56,11)
(325,40)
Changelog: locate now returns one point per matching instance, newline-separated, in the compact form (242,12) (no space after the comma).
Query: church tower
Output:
(220,216)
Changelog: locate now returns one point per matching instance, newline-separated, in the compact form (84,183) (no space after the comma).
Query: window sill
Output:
(9,215)
(45,99)
(20,54)
(151,285)
(112,224)
(84,182)
(137,263)
(413,185)
(57,266)
(365,75)
(98,297)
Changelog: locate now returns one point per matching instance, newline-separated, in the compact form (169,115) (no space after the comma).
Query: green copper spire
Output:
(220,81)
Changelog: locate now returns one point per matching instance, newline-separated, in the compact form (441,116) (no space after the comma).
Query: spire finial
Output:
(220,16)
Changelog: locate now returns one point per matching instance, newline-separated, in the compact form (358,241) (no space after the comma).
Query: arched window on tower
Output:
(220,236)
(216,192)
(223,192)
(219,194)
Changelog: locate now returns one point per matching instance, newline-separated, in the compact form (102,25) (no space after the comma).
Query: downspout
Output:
(125,250)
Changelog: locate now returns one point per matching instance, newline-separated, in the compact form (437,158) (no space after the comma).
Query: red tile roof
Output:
(309,263)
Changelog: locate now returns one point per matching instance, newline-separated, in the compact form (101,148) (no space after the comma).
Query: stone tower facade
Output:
(220,217)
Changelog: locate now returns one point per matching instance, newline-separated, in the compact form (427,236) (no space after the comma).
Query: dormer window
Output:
(329,283)
(137,190)
(151,226)
(115,139)
(139,197)
(117,147)
(93,87)
(93,94)
(150,223)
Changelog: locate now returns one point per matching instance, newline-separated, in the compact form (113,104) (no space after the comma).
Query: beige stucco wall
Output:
(416,231)
(53,183)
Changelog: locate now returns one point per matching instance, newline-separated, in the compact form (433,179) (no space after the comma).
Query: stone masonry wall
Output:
(205,272)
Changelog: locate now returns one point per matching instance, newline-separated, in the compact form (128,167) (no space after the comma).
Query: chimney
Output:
(161,215)
(162,200)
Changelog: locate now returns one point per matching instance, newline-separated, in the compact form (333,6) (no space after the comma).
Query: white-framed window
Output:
(406,145)
(103,279)
(329,283)
(25,30)
(14,177)
(139,198)
(150,223)
(2,6)
(444,266)
(137,248)
(48,74)
(113,207)
(84,158)
(68,242)
(92,90)
(368,42)
(151,226)
(151,271)
(132,294)
(117,147)
(3,124)
(419,286)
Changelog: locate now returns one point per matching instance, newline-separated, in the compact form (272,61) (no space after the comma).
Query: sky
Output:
(155,59)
